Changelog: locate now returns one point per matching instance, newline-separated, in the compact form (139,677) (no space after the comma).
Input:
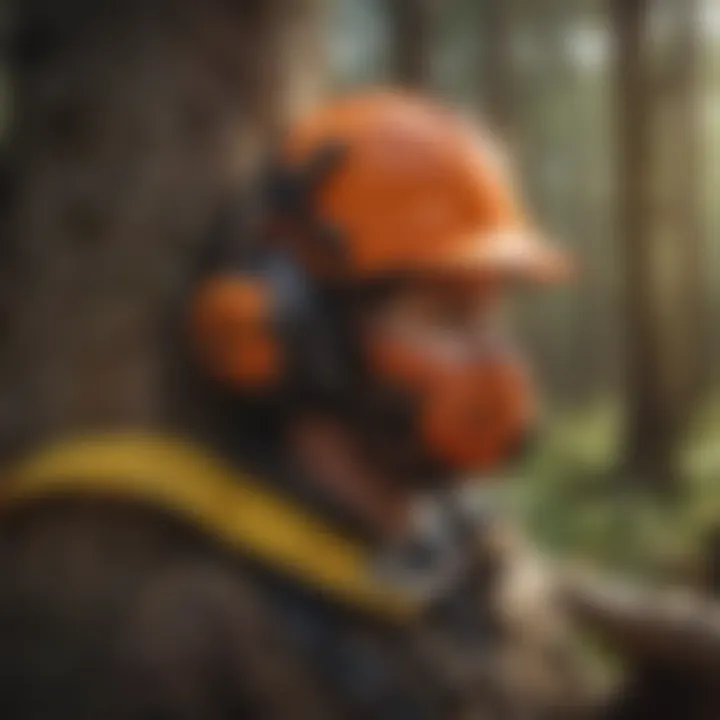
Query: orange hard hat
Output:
(418,189)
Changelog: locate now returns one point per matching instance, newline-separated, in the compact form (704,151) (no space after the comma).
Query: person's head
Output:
(372,291)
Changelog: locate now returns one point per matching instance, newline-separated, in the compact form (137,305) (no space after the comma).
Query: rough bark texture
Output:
(133,117)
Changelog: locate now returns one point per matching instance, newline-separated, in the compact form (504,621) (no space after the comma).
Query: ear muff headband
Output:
(258,323)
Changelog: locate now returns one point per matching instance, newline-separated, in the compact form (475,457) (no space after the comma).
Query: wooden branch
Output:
(671,627)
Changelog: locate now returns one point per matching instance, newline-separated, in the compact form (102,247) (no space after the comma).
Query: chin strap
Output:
(240,512)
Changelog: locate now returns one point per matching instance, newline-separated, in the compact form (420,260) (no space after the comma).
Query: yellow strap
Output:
(240,512)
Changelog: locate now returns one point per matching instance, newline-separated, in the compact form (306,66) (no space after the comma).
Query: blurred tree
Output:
(682,142)
(644,411)
(556,132)
(499,79)
(133,118)
(651,428)
(411,23)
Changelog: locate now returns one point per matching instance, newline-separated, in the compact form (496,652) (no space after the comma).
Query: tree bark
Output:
(132,119)
(498,86)
(650,432)
(410,31)
(686,173)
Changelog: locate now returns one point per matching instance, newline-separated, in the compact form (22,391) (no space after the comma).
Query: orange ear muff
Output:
(232,325)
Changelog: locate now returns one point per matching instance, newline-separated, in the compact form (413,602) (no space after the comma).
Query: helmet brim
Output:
(508,255)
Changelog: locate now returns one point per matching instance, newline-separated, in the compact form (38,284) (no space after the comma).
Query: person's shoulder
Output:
(156,595)
(219,613)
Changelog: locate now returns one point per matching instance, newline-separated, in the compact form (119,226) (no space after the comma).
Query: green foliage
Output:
(576,502)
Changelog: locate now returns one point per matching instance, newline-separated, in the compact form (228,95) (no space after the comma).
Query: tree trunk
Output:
(132,119)
(498,73)
(649,452)
(410,30)
(686,171)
